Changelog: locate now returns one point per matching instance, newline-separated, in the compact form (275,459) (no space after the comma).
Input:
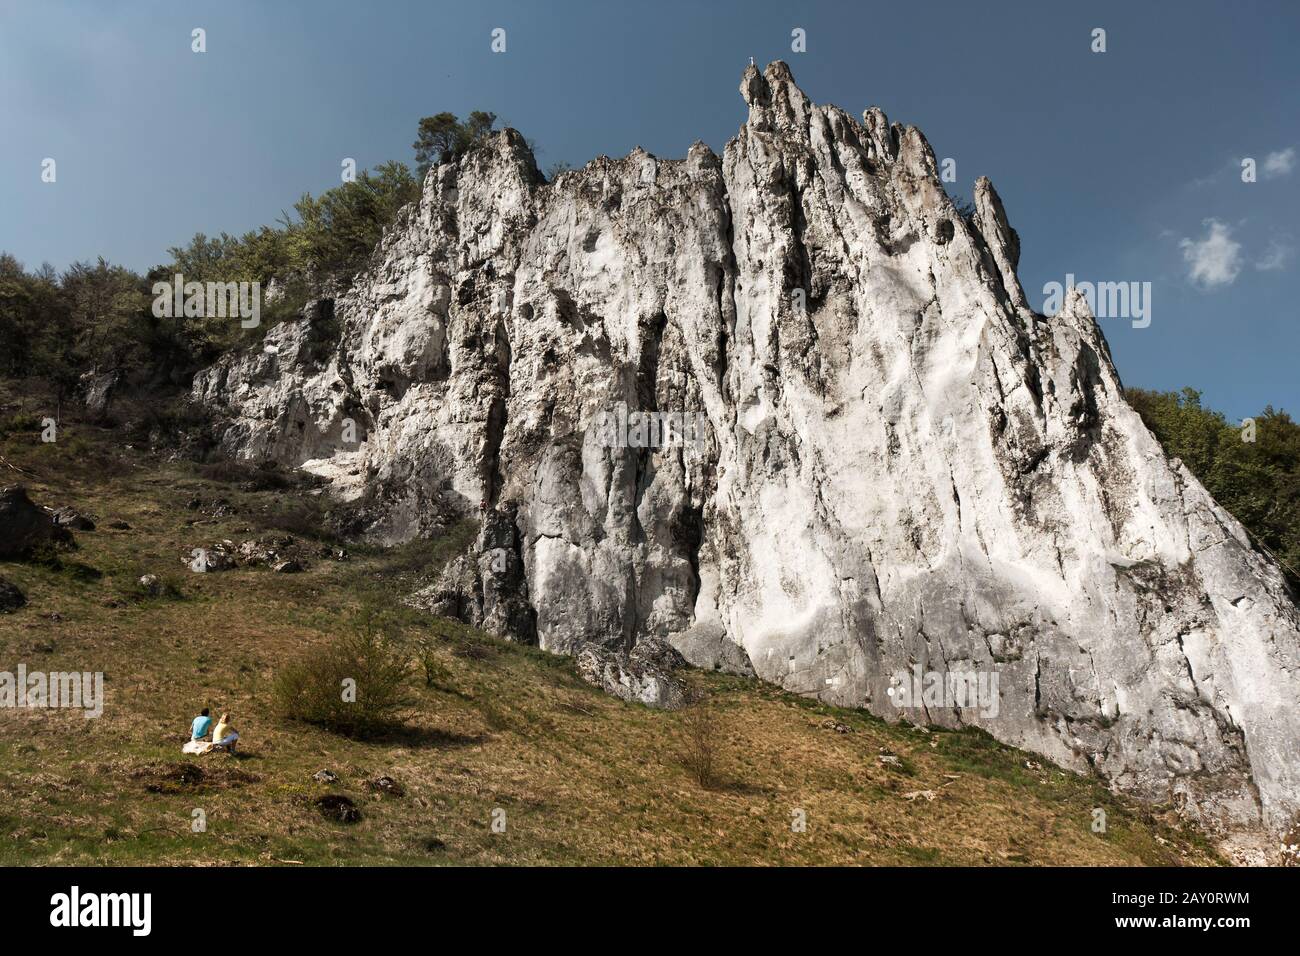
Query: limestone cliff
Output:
(898,464)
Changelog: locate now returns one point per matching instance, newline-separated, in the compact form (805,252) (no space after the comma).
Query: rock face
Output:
(892,476)
(98,390)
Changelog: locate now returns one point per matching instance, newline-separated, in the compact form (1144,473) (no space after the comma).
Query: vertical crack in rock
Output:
(497,416)
(898,461)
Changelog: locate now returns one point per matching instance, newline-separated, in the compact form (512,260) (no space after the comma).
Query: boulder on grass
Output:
(335,806)
(218,557)
(11,598)
(26,527)
(150,585)
(73,520)
(644,675)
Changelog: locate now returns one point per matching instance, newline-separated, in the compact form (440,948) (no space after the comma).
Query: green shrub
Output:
(167,423)
(168,587)
(444,138)
(355,686)
(20,423)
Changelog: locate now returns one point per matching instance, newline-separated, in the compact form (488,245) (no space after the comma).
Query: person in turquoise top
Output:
(202,724)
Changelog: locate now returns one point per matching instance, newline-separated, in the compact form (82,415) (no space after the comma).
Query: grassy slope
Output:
(583,778)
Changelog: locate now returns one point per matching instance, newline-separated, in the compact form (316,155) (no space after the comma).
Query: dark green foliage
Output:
(338,231)
(1257,481)
(328,242)
(316,688)
(262,476)
(304,516)
(964,207)
(58,326)
(444,138)
(29,306)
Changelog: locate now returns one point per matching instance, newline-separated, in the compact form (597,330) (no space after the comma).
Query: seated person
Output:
(198,730)
(225,735)
(202,724)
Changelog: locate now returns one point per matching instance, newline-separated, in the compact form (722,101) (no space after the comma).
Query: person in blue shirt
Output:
(201,726)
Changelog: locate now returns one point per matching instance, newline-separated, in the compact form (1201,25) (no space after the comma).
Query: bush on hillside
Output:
(355,686)
(703,743)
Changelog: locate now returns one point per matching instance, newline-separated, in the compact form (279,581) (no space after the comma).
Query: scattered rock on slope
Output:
(150,585)
(73,520)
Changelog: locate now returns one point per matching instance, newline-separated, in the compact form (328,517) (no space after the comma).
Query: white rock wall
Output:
(901,465)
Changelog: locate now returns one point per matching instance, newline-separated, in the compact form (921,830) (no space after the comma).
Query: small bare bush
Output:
(430,662)
(703,745)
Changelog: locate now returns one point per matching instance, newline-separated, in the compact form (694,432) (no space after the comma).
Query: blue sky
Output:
(1115,166)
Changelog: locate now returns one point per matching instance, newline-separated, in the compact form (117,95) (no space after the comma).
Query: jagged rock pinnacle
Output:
(893,466)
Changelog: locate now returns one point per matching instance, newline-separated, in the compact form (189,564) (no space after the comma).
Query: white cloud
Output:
(1280,163)
(1203,182)
(1278,255)
(1214,260)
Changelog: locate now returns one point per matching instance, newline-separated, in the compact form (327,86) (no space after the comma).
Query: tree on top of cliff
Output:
(444,138)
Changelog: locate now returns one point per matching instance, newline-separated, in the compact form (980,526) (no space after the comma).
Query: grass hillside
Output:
(582,778)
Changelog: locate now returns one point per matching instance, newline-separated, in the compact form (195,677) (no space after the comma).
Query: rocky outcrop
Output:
(869,471)
(98,389)
(644,675)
